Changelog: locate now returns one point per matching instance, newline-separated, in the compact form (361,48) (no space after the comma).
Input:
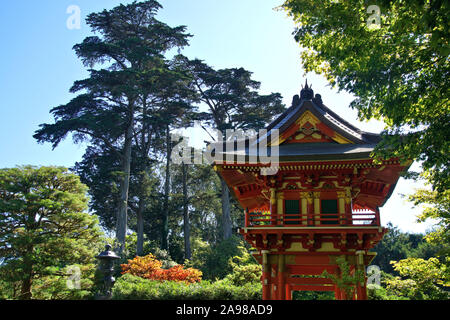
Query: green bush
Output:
(242,275)
(129,287)
(217,261)
(375,292)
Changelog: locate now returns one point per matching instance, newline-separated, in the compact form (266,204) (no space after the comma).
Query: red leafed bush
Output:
(178,273)
(149,267)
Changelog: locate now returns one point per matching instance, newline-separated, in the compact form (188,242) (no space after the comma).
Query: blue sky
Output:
(38,66)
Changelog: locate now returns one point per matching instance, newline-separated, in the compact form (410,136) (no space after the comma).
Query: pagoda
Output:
(321,203)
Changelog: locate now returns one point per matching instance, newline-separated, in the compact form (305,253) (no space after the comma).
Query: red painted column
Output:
(361,289)
(288,292)
(337,293)
(364,291)
(266,276)
(348,207)
(281,291)
(310,206)
(273,292)
(273,207)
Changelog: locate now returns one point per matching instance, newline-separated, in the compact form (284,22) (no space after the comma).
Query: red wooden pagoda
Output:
(323,202)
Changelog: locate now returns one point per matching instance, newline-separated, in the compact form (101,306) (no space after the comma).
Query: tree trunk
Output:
(226,216)
(165,220)
(140,228)
(121,227)
(25,291)
(186,222)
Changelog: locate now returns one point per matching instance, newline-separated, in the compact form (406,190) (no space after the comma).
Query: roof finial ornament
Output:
(306,93)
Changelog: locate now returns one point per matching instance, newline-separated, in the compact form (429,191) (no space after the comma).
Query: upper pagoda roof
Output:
(307,101)
(309,130)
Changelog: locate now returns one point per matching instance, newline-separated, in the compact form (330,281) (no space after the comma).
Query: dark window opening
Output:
(329,210)
(292,209)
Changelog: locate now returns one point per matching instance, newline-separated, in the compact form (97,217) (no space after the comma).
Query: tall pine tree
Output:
(129,52)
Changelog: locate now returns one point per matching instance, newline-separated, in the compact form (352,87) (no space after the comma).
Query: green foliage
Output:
(397,245)
(437,206)
(245,270)
(345,280)
(217,261)
(129,287)
(129,251)
(44,228)
(421,279)
(416,275)
(376,292)
(204,203)
(55,287)
(242,275)
(232,98)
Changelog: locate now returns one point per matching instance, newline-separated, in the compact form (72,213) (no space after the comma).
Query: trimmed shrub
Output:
(129,287)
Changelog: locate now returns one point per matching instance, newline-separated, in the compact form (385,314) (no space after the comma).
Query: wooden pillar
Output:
(348,206)
(310,208)
(337,293)
(304,207)
(280,207)
(317,208)
(266,276)
(361,287)
(273,290)
(288,292)
(273,207)
(361,292)
(281,278)
(341,206)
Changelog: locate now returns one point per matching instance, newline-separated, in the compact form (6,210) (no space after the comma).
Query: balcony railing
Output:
(355,218)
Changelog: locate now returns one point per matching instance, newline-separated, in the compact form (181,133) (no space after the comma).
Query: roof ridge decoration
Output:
(307,93)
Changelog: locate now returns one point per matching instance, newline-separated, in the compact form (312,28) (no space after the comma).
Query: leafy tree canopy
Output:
(44,226)
(398,70)
(437,206)
(232,98)
(425,279)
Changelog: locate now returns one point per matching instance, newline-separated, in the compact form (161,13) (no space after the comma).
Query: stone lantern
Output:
(106,269)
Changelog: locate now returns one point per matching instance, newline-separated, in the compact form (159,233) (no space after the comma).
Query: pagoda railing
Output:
(355,218)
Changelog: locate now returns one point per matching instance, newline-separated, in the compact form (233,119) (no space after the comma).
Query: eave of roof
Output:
(307,152)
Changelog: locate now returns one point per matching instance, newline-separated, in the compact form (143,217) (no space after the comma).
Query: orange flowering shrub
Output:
(142,267)
(149,267)
(178,273)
